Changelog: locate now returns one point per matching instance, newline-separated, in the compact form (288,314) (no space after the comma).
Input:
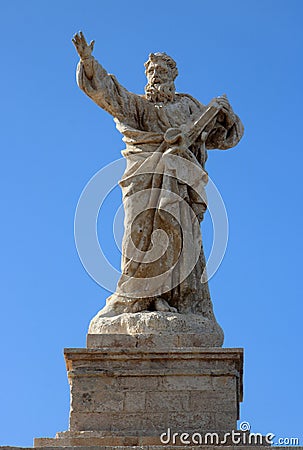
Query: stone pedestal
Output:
(128,390)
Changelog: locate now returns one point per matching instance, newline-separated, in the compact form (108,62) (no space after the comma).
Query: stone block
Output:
(135,401)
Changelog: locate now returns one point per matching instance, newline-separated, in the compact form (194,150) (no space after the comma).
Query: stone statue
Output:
(167,135)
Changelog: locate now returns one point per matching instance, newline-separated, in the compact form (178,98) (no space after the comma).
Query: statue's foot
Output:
(117,305)
(109,311)
(163,306)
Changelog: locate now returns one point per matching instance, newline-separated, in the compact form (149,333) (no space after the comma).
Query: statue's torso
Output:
(158,117)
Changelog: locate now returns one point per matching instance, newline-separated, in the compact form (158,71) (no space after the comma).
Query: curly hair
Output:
(154,57)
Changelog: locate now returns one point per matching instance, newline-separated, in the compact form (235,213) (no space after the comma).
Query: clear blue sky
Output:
(54,139)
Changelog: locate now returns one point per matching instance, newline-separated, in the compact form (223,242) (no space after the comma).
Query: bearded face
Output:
(160,87)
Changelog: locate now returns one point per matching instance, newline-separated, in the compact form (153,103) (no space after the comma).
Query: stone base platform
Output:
(175,440)
(135,392)
(126,390)
(143,392)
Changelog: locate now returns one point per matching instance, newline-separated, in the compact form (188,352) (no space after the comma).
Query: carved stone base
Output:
(128,390)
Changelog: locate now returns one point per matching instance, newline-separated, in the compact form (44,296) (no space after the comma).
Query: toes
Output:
(161,305)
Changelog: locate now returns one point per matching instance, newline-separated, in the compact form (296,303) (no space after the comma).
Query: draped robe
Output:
(163,189)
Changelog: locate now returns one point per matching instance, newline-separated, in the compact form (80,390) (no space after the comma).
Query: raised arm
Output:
(102,87)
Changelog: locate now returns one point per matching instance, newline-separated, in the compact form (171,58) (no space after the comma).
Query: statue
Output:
(167,135)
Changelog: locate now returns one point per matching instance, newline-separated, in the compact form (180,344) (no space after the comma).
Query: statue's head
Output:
(161,71)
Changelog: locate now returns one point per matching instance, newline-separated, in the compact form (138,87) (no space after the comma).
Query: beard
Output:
(160,93)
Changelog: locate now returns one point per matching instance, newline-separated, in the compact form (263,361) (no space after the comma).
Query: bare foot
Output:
(163,306)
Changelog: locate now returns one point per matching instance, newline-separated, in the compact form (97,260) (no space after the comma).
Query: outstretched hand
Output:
(84,50)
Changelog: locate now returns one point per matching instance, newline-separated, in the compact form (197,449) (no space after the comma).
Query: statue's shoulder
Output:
(189,98)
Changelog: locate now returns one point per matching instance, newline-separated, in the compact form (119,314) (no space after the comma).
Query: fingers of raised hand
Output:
(83,40)
(75,39)
(79,41)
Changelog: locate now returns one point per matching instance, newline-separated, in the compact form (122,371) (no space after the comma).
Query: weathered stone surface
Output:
(171,439)
(151,446)
(167,136)
(143,390)
(173,329)
(101,439)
